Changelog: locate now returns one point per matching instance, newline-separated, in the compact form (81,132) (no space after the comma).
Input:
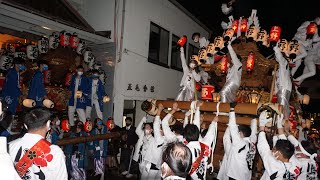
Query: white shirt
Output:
(283,80)
(7,170)
(239,153)
(55,169)
(188,75)
(235,72)
(274,169)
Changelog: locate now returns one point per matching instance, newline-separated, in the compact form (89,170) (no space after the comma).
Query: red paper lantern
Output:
(47,76)
(250,61)
(206,93)
(88,126)
(275,34)
(217,58)
(64,39)
(74,41)
(65,126)
(68,79)
(312,28)
(110,124)
(182,41)
(235,25)
(244,25)
(224,64)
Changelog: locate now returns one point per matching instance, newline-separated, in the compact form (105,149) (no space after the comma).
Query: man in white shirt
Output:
(200,147)
(239,144)
(33,156)
(276,162)
(230,88)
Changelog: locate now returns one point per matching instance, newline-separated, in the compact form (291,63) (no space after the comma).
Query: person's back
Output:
(33,156)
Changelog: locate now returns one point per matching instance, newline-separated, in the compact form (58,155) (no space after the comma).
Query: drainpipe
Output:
(122,30)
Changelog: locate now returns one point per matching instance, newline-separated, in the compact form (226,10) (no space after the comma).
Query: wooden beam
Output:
(84,139)
(241,108)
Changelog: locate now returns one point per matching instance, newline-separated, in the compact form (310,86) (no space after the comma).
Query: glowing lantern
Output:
(218,43)
(78,94)
(48,103)
(202,55)
(224,64)
(65,126)
(311,30)
(293,49)
(252,33)
(106,99)
(68,79)
(263,37)
(235,25)
(250,61)
(275,33)
(254,97)
(74,41)
(64,39)
(215,97)
(206,92)
(283,45)
(244,25)
(29,103)
(110,124)
(217,58)
(47,76)
(182,41)
(228,34)
(210,50)
(88,126)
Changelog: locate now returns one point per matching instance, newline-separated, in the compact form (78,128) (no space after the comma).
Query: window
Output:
(158,45)
(175,53)
(193,50)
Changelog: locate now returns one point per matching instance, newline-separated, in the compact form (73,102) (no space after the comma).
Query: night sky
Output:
(289,14)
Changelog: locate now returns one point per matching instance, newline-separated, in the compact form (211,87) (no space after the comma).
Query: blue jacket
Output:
(97,155)
(100,93)
(36,89)
(11,85)
(71,149)
(84,87)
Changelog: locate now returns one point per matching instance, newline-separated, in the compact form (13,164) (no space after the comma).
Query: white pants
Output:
(80,112)
(95,103)
(151,174)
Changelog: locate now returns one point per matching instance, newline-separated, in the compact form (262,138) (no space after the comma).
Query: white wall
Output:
(134,66)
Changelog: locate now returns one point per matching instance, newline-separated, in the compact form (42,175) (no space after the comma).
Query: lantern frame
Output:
(254,97)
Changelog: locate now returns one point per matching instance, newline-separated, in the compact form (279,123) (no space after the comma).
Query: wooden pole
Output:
(241,108)
(273,82)
(222,119)
(84,139)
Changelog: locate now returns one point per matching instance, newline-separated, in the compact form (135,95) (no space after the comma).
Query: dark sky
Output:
(289,14)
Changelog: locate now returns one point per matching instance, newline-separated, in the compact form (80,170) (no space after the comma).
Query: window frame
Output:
(157,62)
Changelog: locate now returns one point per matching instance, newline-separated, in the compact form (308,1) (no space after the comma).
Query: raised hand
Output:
(263,120)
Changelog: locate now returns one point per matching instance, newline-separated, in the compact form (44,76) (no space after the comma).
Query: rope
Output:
(192,109)
(218,104)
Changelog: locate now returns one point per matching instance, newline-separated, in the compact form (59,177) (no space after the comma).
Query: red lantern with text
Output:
(74,41)
(64,39)
(275,34)
(206,93)
(47,76)
(235,25)
(88,126)
(311,30)
(68,79)
(250,61)
(244,25)
(182,41)
(65,126)
(224,64)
